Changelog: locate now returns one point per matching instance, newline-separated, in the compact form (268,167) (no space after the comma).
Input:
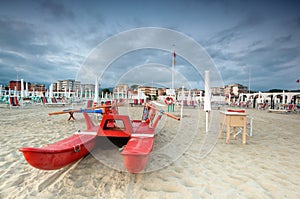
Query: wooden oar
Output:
(77,110)
(164,112)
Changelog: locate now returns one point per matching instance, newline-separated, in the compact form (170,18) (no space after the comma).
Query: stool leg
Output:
(244,135)
(221,130)
(228,134)
(234,132)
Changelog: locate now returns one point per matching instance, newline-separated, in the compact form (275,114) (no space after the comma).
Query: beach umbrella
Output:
(65,95)
(96,93)
(283,97)
(182,98)
(15,92)
(189,98)
(26,90)
(51,90)
(22,88)
(207,102)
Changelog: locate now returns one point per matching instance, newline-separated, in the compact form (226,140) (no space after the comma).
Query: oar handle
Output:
(170,115)
(78,110)
(103,106)
(165,113)
(63,112)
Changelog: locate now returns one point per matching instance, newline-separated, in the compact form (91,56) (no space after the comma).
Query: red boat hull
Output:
(59,154)
(135,163)
(137,152)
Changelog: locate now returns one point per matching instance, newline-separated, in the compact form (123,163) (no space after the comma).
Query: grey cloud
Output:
(284,39)
(57,9)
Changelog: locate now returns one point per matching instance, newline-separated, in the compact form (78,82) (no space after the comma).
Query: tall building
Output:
(148,90)
(218,90)
(121,87)
(12,84)
(68,85)
(235,89)
(38,87)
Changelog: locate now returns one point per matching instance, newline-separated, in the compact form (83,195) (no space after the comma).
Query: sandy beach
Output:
(266,167)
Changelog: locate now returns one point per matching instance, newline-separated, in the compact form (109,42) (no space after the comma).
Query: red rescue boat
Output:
(135,153)
(60,154)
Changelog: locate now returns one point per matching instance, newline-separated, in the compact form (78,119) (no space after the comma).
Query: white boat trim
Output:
(86,133)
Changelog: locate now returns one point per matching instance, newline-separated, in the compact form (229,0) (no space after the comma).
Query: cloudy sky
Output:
(249,41)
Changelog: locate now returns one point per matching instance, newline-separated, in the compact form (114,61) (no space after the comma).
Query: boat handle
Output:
(76,150)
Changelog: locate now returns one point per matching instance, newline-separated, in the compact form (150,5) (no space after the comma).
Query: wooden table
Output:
(233,119)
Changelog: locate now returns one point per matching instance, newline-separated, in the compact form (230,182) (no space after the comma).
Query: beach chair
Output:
(292,108)
(89,104)
(26,102)
(264,106)
(44,100)
(14,102)
(53,102)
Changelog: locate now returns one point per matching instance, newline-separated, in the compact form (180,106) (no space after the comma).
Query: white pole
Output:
(207,103)
(181,110)
(173,68)
(96,91)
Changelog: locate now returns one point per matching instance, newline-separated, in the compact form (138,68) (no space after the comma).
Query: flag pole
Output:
(173,66)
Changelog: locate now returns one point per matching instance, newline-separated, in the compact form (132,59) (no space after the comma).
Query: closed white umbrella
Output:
(26,90)
(22,88)
(15,92)
(51,90)
(96,93)
(207,98)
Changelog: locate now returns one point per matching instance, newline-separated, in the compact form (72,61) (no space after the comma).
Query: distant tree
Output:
(134,86)
(105,90)
(277,90)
